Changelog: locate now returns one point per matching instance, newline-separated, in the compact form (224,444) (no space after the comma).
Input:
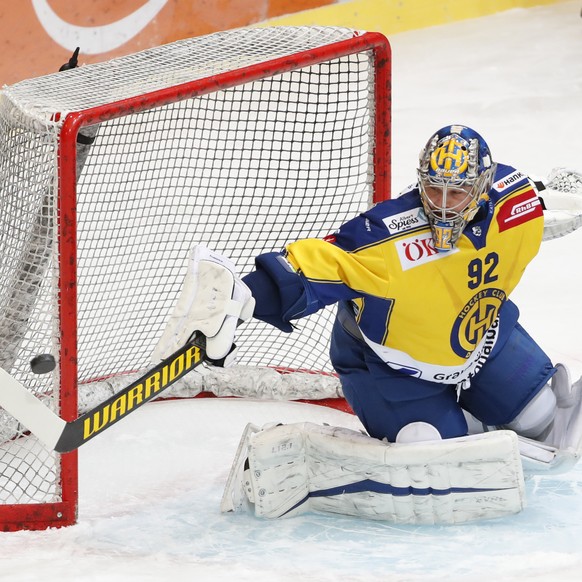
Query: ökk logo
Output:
(417,250)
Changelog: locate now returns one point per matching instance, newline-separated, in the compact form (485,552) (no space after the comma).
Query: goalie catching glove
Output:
(213,301)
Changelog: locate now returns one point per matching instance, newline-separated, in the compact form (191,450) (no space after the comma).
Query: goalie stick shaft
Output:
(63,436)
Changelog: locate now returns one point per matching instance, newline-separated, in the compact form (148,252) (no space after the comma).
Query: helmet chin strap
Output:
(445,230)
(442,234)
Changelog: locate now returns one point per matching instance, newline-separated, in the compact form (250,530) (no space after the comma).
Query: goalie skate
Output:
(235,495)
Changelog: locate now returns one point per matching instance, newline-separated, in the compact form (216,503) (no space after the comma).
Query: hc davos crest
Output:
(476,317)
(451,158)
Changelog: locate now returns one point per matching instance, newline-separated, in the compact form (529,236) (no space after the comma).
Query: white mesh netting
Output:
(243,170)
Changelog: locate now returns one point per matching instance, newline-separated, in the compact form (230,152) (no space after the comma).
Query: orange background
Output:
(29,51)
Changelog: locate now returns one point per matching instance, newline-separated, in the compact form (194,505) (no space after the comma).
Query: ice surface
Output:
(150,487)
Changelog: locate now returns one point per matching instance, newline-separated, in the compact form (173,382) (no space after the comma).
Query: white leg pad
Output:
(303,467)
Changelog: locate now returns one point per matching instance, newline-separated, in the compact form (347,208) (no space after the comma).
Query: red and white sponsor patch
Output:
(417,250)
(330,238)
(519,210)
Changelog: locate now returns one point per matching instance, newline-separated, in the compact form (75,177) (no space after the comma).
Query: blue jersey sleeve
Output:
(279,292)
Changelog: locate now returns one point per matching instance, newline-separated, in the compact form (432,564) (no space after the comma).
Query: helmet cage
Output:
(451,162)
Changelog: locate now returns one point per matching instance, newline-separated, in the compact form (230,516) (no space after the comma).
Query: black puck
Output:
(43,364)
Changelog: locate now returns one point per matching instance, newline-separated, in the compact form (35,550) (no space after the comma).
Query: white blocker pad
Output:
(305,467)
(213,299)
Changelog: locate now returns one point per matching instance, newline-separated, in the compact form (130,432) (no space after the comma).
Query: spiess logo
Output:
(414,251)
(405,220)
(476,317)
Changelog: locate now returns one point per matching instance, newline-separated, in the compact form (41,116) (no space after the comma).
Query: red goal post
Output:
(241,140)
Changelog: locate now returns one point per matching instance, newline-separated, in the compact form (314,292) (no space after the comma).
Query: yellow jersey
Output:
(430,314)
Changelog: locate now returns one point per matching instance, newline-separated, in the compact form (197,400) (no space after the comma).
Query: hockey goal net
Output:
(241,140)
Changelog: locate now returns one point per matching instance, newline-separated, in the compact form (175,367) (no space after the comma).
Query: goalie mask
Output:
(454,177)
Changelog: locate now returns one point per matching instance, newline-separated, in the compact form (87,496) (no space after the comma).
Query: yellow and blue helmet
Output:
(455,174)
